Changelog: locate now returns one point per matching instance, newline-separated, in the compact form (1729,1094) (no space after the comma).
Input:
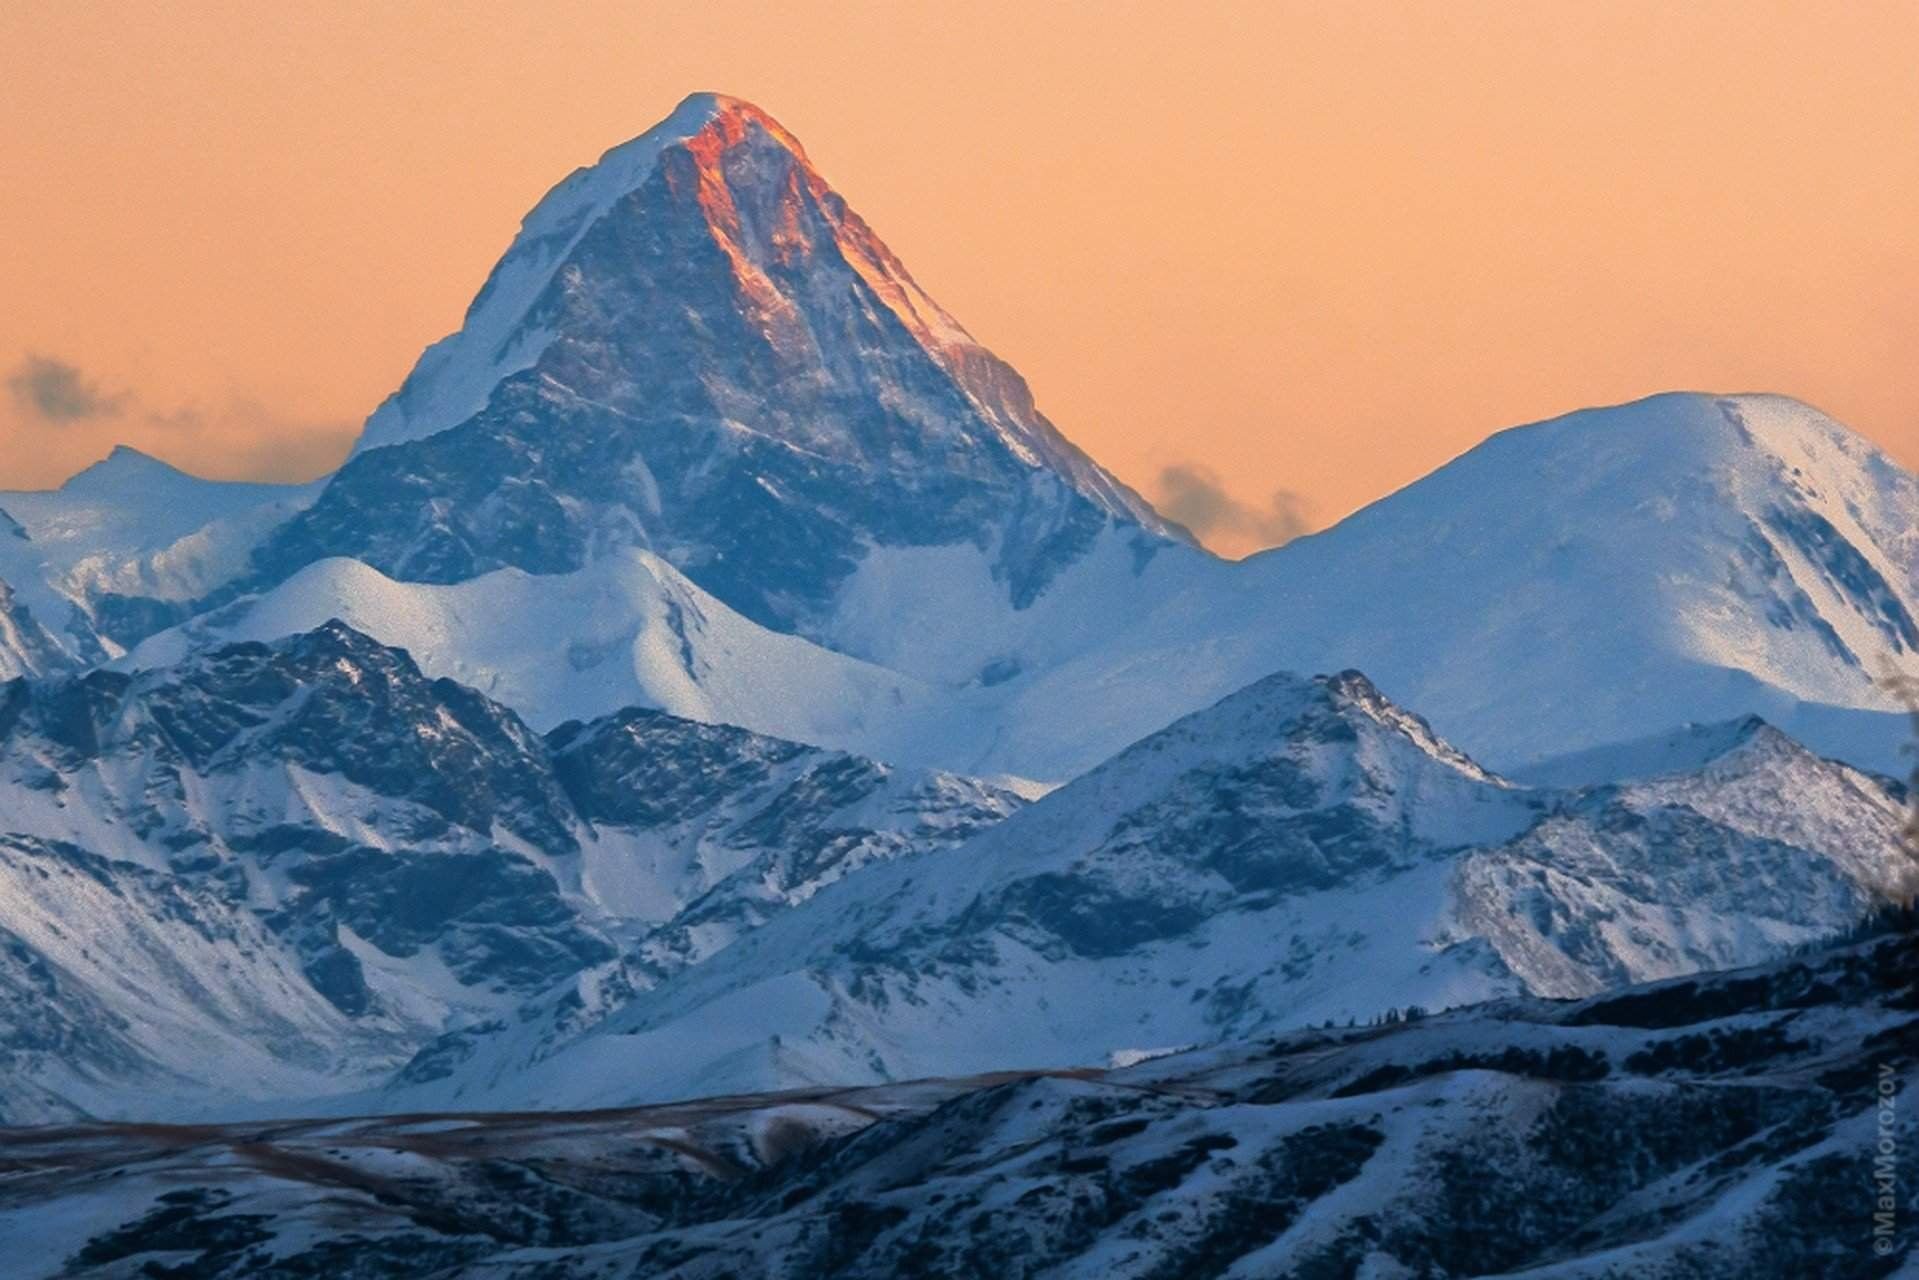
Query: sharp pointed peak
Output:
(721,107)
(717,116)
(720,170)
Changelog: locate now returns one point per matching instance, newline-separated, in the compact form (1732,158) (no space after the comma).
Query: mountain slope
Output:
(626,630)
(128,989)
(312,848)
(407,874)
(696,347)
(1587,581)
(1720,1128)
(1598,578)
(26,647)
(1303,850)
(629,629)
(128,546)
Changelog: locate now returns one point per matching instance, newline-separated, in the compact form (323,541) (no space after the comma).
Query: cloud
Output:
(1195,496)
(55,391)
(56,419)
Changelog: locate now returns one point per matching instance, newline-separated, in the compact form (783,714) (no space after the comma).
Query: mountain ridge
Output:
(313,852)
(1713,1128)
(1523,634)
(467,910)
(1302,850)
(1595,578)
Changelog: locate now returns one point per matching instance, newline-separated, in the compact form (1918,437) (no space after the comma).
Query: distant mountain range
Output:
(712,671)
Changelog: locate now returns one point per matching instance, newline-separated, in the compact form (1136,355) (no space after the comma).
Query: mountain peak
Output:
(804,271)
(731,117)
(703,122)
(123,463)
(127,472)
(455,377)
(697,347)
(1705,427)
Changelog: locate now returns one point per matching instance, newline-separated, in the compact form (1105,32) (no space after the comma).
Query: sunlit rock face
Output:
(697,347)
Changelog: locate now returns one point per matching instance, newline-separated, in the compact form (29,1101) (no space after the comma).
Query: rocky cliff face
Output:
(1304,850)
(311,850)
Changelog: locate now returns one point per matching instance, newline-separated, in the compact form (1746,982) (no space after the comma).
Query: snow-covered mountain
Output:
(696,347)
(696,368)
(1303,850)
(1721,1128)
(1601,577)
(704,477)
(626,630)
(315,856)
(347,870)
(629,629)
(1648,579)
(128,546)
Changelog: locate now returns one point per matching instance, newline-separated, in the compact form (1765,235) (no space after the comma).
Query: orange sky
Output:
(1318,248)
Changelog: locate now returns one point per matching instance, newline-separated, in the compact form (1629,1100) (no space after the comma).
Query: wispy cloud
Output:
(57,392)
(56,418)
(1196,497)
